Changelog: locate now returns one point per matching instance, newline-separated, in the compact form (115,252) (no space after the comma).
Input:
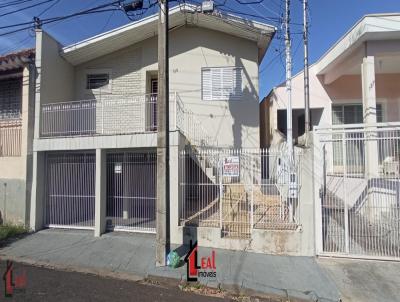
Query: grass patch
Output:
(11,230)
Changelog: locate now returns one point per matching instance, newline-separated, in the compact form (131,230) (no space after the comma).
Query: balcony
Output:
(117,115)
(109,115)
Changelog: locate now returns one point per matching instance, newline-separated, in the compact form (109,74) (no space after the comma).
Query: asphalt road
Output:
(50,285)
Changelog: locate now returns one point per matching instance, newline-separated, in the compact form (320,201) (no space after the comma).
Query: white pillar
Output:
(100,200)
(369,111)
(37,218)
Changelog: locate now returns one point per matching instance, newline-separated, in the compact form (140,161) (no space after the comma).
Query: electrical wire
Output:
(26,7)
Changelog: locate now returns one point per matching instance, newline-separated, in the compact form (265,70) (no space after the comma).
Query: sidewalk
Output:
(132,256)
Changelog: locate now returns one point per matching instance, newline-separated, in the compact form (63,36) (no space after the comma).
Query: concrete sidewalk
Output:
(364,280)
(133,256)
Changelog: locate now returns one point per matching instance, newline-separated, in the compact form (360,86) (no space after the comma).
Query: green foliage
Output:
(11,230)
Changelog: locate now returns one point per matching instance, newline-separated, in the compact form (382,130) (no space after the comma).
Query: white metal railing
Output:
(359,212)
(191,126)
(111,114)
(238,190)
(105,115)
(10,137)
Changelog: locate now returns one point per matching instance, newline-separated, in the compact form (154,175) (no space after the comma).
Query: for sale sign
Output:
(231,166)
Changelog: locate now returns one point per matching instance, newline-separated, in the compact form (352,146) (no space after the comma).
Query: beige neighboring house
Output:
(355,81)
(94,150)
(16,134)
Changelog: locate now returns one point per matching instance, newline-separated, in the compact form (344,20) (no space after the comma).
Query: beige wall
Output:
(55,75)
(233,123)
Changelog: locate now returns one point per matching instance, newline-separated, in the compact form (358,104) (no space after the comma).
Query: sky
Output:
(329,20)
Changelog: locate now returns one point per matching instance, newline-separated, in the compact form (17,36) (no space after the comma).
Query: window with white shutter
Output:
(221,83)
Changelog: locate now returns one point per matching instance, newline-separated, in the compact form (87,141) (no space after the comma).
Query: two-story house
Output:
(95,134)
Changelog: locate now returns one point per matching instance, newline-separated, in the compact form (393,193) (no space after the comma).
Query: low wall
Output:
(13,200)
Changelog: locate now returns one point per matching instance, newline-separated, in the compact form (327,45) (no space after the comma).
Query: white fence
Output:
(359,213)
(239,190)
(10,137)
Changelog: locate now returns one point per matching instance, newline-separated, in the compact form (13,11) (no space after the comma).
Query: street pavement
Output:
(44,284)
(133,256)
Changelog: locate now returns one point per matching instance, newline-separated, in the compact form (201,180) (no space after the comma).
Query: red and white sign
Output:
(231,166)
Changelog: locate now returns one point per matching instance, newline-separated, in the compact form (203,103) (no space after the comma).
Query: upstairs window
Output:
(98,80)
(221,83)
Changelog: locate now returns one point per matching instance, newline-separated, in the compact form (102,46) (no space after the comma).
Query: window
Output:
(352,114)
(221,83)
(98,80)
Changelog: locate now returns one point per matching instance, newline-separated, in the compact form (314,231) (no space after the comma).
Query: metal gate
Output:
(70,190)
(131,191)
(359,210)
(238,190)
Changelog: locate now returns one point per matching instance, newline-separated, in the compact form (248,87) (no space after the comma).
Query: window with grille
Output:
(10,98)
(352,114)
(97,81)
(221,83)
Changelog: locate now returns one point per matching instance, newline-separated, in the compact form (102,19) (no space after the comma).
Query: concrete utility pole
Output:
(306,76)
(163,198)
(289,132)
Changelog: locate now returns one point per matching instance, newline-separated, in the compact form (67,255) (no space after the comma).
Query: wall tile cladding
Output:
(126,76)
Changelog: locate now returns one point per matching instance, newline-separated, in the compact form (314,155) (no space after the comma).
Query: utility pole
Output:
(306,75)
(289,132)
(163,198)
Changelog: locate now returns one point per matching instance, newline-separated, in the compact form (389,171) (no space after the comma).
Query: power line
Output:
(98,9)
(27,7)
(11,3)
(49,8)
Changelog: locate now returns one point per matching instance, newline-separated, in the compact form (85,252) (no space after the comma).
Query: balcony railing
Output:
(10,137)
(112,115)
(108,115)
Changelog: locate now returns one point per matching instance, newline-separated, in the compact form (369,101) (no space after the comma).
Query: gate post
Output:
(346,208)
(37,211)
(317,176)
(100,200)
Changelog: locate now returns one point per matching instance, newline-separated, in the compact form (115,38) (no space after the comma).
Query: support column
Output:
(38,197)
(100,200)
(369,111)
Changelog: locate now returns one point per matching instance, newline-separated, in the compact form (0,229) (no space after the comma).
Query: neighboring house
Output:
(16,134)
(94,159)
(355,115)
(340,82)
